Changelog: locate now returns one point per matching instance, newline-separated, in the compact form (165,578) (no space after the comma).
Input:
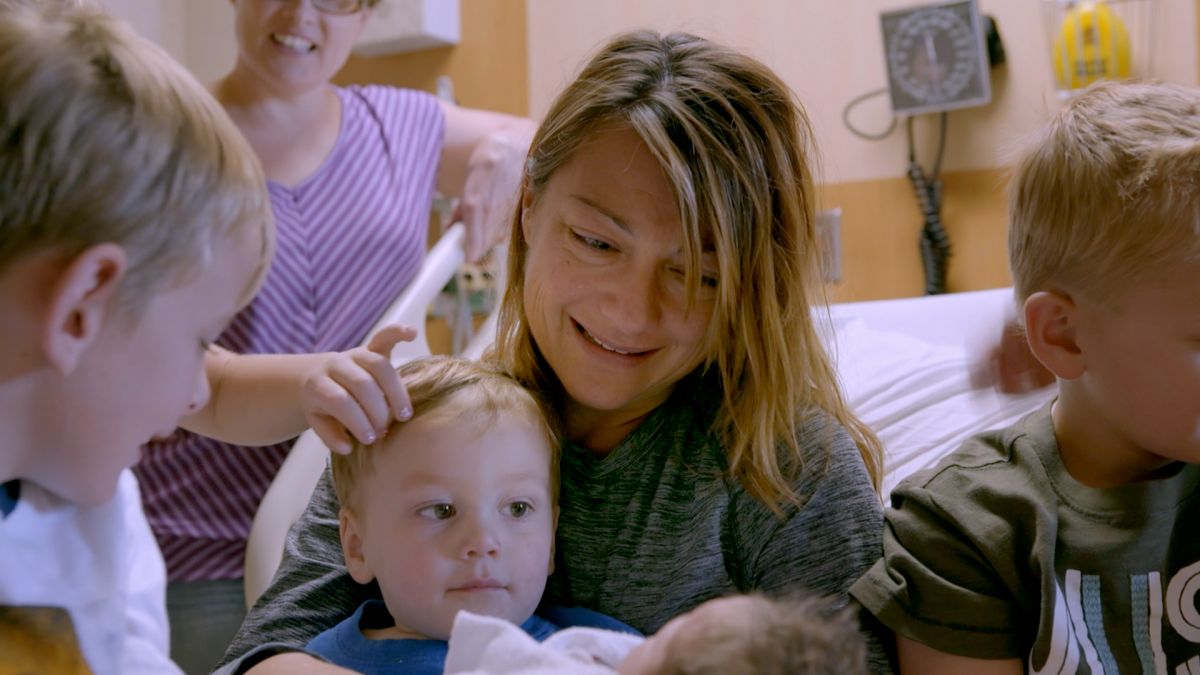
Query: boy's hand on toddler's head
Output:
(357,392)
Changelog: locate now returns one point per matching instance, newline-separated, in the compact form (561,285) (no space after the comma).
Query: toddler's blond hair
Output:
(474,392)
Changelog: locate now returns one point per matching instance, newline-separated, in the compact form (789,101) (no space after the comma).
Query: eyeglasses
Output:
(339,6)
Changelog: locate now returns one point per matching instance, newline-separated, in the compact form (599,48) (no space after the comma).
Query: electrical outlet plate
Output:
(829,235)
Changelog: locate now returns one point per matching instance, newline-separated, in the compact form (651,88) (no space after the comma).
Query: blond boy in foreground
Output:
(134,223)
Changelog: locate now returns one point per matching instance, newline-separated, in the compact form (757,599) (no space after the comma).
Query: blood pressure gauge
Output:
(936,58)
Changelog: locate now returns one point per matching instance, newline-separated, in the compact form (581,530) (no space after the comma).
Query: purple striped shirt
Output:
(350,238)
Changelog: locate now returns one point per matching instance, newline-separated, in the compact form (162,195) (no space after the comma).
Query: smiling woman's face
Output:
(604,279)
(293,45)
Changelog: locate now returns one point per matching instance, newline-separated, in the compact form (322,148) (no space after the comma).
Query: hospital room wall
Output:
(830,52)
(515,54)
(160,20)
(489,67)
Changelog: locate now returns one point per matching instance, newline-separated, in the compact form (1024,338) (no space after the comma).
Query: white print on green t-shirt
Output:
(1078,628)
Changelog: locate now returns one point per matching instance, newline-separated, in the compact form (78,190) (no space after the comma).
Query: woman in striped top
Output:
(351,174)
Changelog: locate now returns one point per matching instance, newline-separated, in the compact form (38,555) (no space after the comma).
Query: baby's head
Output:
(754,634)
(134,223)
(456,508)
(1105,253)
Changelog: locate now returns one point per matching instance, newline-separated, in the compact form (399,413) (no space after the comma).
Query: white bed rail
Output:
(289,493)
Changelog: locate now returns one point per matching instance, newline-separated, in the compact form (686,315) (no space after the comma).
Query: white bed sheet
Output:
(919,397)
(906,367)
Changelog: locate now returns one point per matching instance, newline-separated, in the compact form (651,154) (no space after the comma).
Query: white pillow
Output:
(918,397)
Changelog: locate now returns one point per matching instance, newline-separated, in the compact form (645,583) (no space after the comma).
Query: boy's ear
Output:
(80,302)
(1051,324)
(352,549)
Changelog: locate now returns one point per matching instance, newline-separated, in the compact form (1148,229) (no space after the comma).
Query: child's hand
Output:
(357,392)
(1011,366)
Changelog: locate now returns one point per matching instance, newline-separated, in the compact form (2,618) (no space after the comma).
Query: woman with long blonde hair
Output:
(663,272)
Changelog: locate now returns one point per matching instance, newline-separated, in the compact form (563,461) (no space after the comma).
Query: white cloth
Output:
(101,564)
(484,645)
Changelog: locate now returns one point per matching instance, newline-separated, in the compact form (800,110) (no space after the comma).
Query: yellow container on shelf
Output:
(1092,45)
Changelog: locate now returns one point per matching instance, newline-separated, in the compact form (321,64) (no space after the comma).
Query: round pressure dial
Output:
(935,58)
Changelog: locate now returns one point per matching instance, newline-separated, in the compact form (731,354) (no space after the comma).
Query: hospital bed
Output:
(905,366)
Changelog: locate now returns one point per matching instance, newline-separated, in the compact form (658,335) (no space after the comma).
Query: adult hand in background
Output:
(483,162)
(489,196)
(357,392)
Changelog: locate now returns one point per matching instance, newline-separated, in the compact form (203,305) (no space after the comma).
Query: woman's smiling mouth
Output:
(615,349)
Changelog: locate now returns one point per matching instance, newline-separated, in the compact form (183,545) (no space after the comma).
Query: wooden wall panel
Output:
(489,65)
(881,226)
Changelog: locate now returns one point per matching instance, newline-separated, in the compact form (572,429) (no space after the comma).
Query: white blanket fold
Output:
(483,645)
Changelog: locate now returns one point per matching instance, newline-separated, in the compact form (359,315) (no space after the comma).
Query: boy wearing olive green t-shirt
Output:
(1065,544)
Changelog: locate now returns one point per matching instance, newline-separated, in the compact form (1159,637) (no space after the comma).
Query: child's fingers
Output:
(383,341)
(387,381)
(332,434)
(336,402)
(360,383)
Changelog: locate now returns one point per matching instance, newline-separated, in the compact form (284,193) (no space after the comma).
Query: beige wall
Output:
(830,52)
(827,50)
(488,67)
(160,20)
(198,33)
(210,47)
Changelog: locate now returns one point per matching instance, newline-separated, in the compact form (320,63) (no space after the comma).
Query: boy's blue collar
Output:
(10,493)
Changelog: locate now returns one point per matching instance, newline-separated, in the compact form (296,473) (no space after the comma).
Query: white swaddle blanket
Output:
(484,645)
